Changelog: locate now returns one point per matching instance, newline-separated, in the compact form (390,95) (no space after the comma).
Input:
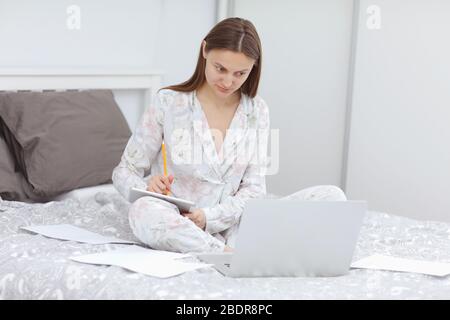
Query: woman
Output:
(215,130)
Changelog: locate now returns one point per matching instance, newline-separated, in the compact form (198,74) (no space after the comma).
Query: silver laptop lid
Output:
(297,238)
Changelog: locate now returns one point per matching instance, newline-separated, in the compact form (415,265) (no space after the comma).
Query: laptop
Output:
(293,238)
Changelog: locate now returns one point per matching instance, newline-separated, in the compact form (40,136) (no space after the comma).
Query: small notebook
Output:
(182,204)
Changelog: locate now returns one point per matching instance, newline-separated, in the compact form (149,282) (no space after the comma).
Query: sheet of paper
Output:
(72,233)
(161,264)
(379,261)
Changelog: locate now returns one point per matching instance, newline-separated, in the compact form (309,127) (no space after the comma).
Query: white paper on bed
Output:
(379,261)
(161,264)
(72,233)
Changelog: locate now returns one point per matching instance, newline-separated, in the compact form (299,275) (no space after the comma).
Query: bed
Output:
(36,267)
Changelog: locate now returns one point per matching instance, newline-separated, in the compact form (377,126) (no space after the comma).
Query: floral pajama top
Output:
(218,182)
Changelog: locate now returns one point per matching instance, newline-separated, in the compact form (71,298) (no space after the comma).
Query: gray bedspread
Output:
(35,267)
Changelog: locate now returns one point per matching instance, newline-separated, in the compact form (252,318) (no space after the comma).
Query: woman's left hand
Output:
(197,216)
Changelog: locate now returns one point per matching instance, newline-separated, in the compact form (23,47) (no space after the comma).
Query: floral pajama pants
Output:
(160,225)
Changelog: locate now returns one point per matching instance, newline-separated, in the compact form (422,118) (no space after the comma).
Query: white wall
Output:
(149,34)
(306,54)
(399,155)
(183,26)
(112,33)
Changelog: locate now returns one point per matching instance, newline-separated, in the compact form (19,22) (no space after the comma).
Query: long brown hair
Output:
(238,35)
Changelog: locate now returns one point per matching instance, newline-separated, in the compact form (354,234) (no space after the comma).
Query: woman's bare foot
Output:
(227,249)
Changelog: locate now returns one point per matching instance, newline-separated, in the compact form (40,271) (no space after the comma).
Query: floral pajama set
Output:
(218,181)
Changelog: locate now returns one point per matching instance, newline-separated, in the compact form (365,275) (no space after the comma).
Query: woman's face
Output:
(226,70)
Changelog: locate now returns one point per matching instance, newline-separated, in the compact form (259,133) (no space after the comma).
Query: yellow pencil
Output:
(163,150)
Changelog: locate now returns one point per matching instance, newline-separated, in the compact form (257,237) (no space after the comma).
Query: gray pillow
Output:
(63,140)
(10,180)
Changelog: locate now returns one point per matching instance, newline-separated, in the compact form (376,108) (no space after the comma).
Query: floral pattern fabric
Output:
(220,181)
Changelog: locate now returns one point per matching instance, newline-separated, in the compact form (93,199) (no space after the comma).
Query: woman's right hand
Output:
(160,184)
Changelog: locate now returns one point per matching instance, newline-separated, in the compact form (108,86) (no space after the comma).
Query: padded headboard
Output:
(149,81)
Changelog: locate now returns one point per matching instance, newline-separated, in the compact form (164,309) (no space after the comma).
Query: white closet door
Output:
(306,54)
(399,147)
